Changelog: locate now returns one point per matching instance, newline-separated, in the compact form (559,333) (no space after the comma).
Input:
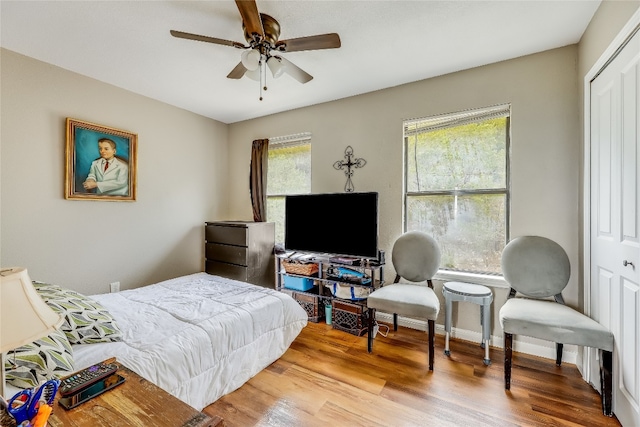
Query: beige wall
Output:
(542,90)
(609,19)
(182,182)
(545,151)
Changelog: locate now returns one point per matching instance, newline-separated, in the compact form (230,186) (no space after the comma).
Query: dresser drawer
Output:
(226,253)
(226,234)
(224,269)
(241,250)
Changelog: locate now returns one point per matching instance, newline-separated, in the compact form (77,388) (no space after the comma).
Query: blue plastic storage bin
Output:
(298,283)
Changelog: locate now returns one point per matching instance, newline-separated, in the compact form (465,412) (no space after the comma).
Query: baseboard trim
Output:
(535,347)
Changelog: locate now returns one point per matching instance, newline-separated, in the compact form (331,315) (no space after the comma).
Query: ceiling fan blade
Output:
(294,71)
(322,41)
(189,36)
(251,17)
(237,72)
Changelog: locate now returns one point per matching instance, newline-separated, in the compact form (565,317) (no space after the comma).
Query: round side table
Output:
(477,294)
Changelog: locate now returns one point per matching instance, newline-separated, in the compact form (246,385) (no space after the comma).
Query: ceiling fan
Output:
(261,32)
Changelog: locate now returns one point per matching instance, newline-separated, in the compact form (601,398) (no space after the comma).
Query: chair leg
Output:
(448,304)
(508,341)
(395,321)
(432,332)
(370,330)
(559,347)
(606,380)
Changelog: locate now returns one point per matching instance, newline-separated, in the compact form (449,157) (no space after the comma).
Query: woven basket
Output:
(301,269)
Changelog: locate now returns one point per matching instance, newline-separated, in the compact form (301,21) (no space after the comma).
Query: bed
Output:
(199,336)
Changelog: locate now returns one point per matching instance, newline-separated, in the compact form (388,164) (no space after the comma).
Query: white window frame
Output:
(448,121)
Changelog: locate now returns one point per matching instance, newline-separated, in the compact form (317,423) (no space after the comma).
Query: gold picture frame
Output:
(100,162)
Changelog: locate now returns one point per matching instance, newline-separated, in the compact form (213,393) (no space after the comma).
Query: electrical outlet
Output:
(115,287)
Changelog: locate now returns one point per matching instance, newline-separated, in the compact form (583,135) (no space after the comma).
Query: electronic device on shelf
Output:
(347,275)
(93,390)
(344,260)
(341,224)
(86,377)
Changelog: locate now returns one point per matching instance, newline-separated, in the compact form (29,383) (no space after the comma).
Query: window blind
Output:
(290,140)
(417,126)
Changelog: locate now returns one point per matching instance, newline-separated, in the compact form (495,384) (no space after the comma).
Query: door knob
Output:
(625,263)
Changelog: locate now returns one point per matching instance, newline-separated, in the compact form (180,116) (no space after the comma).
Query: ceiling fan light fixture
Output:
(253,74)
(262,33)
(250,59)
(276,66)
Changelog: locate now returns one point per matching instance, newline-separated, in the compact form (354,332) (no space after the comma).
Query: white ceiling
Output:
(384,44)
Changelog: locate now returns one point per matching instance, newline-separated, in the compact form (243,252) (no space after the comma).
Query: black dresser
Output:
(241,250)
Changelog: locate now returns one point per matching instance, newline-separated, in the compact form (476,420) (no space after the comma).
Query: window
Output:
(456,185)
(288,172)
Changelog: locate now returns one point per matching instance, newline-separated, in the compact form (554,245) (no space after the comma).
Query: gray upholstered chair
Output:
(416,258)
(538,268)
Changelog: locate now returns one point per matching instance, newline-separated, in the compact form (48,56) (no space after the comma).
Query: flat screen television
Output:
(338,223)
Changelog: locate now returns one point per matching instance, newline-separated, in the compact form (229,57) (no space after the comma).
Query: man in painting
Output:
(108,174)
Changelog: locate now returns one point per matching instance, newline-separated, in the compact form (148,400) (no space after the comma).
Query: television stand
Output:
(342,283)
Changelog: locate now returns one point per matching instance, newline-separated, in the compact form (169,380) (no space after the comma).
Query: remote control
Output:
(85,378)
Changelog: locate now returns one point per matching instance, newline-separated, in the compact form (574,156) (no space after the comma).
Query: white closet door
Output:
(615,238)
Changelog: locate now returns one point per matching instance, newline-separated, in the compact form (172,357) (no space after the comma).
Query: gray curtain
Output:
(258,179)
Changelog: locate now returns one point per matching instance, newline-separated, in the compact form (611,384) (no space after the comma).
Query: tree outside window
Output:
(457,168)
(288,172)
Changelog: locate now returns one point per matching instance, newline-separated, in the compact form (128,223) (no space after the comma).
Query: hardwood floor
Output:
(327,378)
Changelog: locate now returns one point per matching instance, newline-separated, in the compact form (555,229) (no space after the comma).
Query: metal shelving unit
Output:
(374,271)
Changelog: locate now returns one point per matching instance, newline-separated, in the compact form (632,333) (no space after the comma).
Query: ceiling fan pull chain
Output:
(264,72)
(260,69)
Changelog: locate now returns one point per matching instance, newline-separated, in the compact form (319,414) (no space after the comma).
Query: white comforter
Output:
(198,337)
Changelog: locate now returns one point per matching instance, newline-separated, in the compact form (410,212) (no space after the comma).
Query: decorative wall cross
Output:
(355,163)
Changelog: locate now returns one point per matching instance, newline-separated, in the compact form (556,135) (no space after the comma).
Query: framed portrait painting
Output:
(100,162)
